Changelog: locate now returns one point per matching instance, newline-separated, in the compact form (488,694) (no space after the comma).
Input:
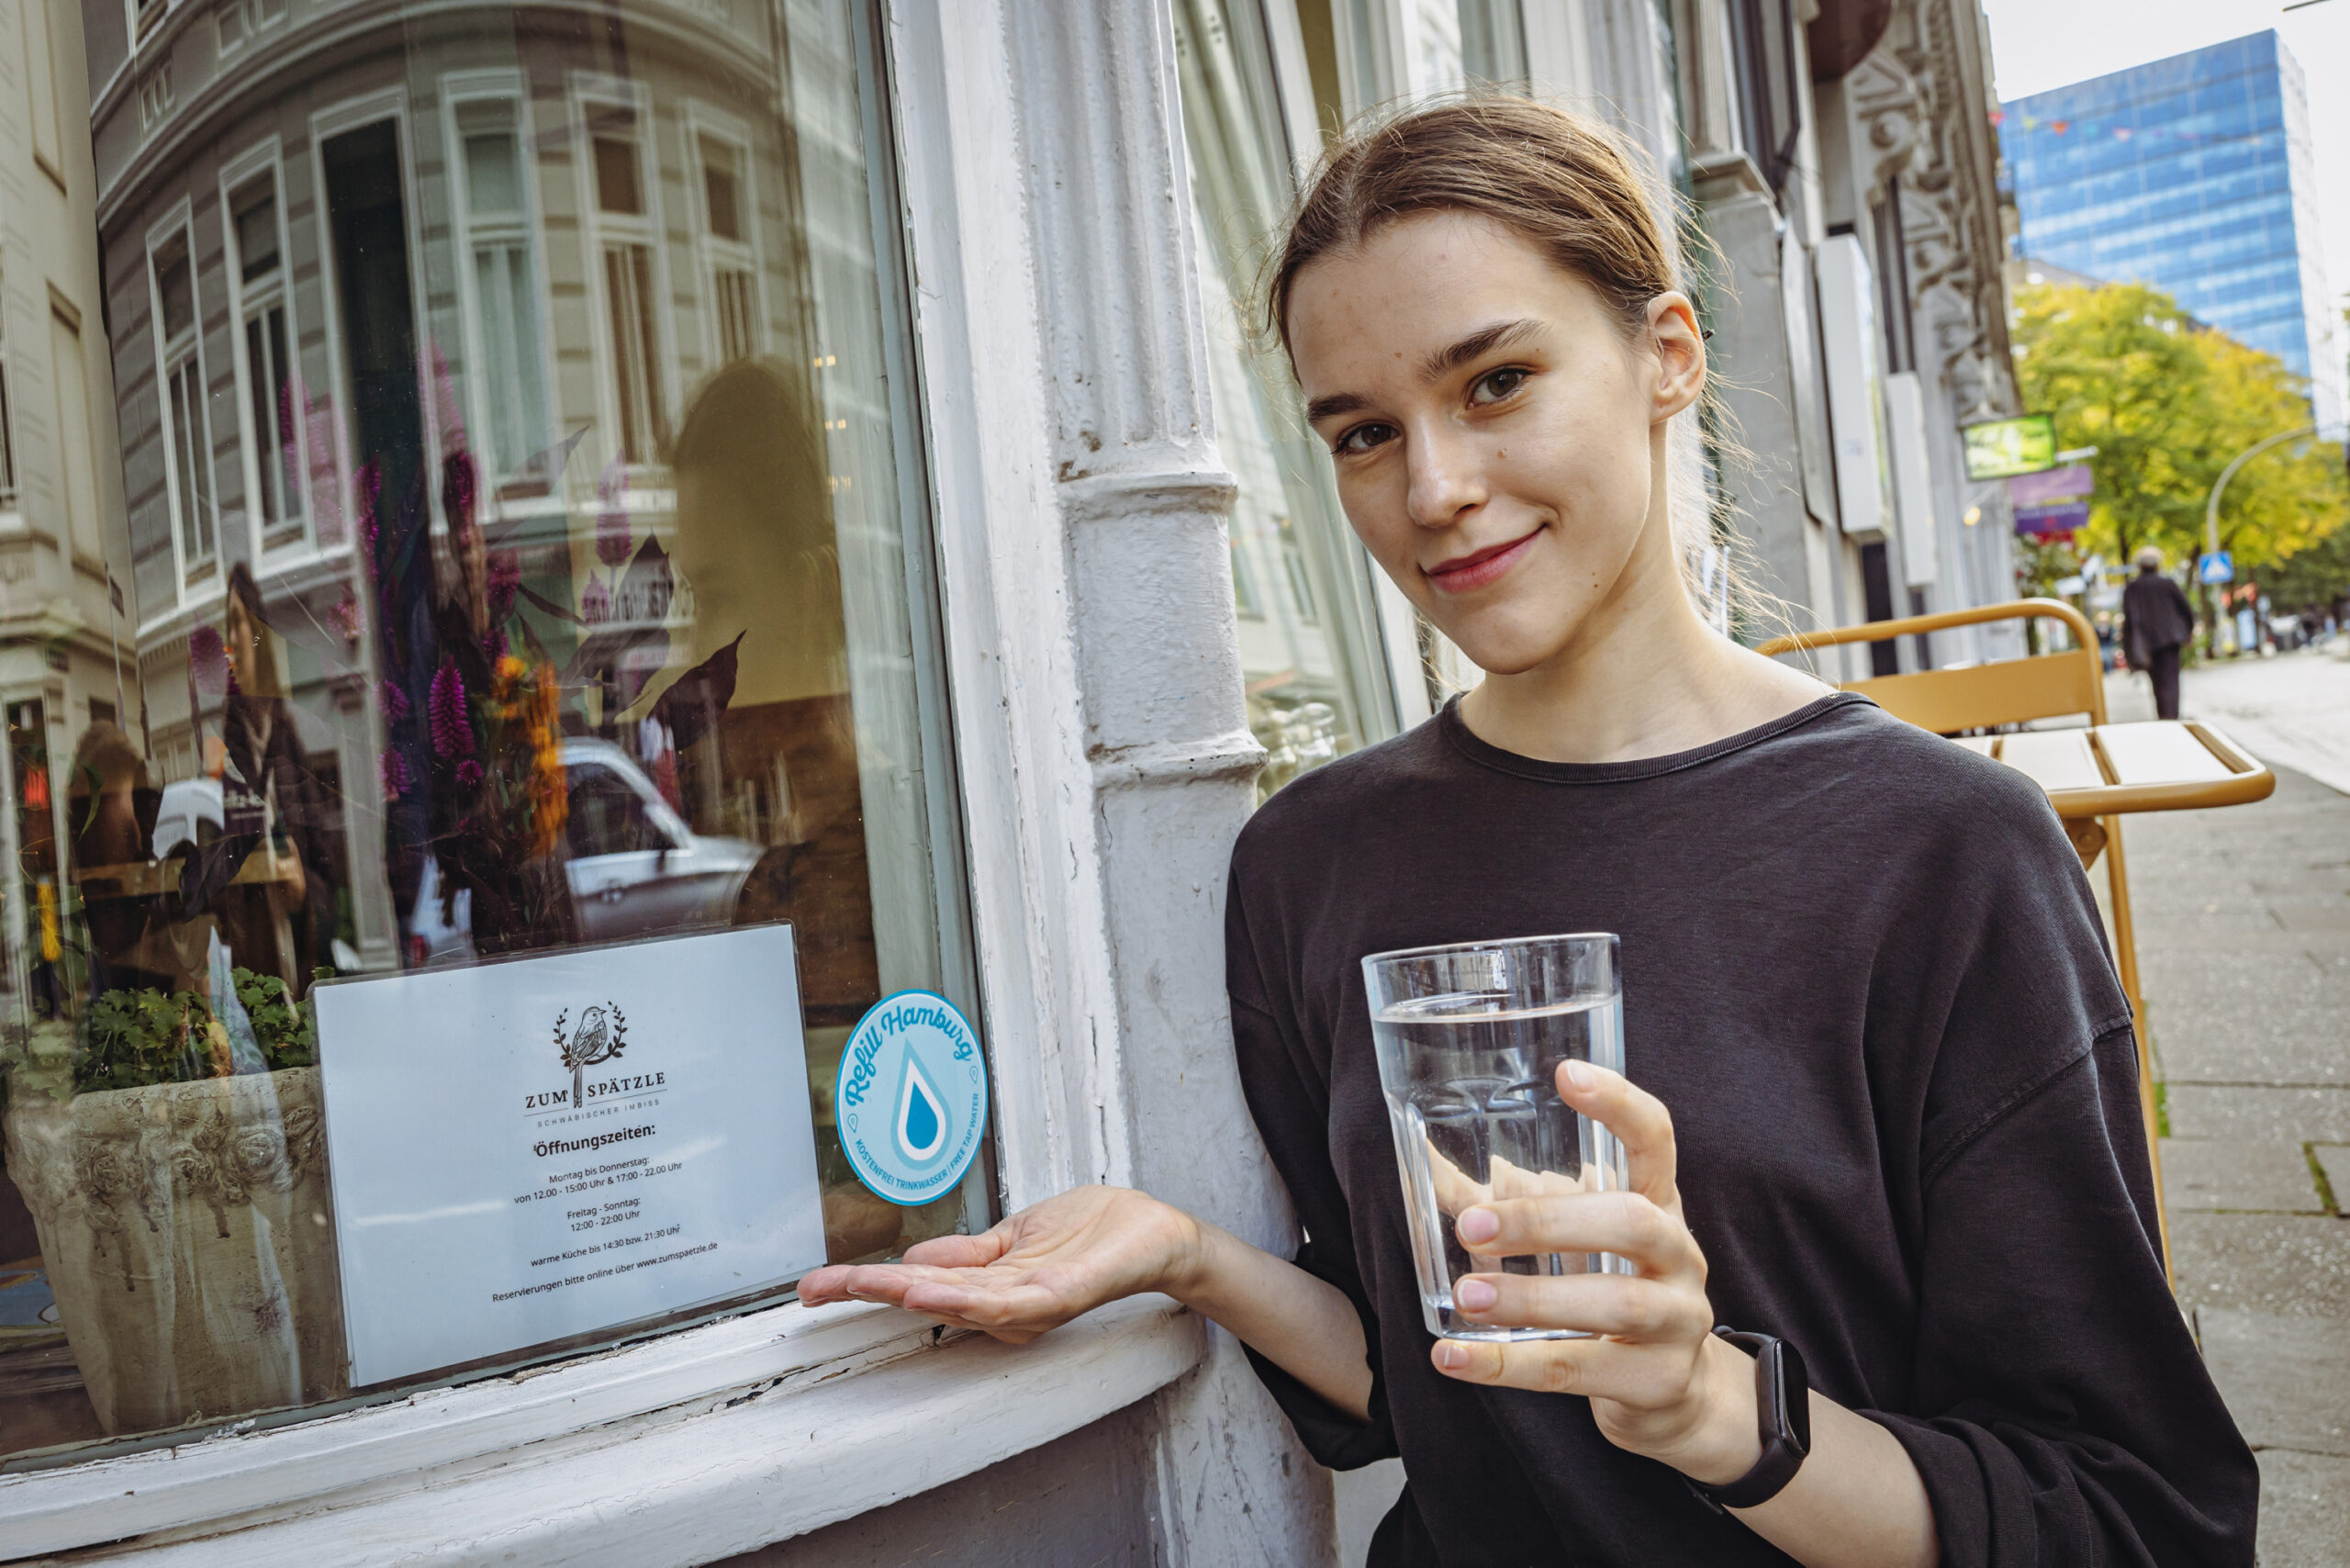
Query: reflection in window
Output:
(733,269)
(185,418)
(629,299)
(581,384)
(1310,647)
(271,400)
(511,389)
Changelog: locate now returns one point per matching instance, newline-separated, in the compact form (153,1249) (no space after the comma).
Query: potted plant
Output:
(172,1154)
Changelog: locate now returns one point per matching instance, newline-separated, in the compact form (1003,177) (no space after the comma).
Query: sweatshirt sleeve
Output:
(2072,1422)
(1290,1103)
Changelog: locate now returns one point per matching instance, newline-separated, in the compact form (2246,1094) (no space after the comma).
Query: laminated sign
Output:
(540,1148)
(913,1099)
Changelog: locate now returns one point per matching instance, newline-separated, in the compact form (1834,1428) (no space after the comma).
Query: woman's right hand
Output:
(1035,1269)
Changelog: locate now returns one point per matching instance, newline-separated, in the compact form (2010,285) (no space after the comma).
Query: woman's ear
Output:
(1680,351)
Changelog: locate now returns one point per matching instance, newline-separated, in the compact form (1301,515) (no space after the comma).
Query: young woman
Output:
(1883,1102)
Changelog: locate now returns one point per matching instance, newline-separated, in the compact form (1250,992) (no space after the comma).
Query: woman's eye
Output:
(1360,439)
(1495,386)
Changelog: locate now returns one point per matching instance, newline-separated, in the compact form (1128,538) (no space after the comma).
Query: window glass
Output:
(1311,649)
(498,550)
(257,232)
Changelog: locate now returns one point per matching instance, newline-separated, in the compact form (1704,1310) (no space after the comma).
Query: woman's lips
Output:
(1478,567)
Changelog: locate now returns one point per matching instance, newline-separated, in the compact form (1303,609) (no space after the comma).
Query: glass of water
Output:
(1470,1039)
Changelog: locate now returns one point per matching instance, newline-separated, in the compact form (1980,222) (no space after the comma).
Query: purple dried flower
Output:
(494,646)
(468,773)
(505,582)
(452,730)
(595,601)
(395,775)
(457,489)
(394,701)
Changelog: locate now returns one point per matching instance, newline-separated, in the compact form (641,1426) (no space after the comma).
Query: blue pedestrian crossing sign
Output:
(911,1103)
(2218,567)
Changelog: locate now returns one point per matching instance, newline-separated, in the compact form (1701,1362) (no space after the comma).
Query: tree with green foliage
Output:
(2168,403)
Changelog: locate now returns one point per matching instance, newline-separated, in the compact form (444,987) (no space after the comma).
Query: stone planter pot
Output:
(190,1244)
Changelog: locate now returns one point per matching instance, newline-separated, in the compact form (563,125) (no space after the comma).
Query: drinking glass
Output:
(1470,1037)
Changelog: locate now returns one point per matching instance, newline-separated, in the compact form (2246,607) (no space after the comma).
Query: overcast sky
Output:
(2040,44)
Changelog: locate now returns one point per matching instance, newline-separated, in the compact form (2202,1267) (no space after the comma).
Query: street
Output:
(2243,950)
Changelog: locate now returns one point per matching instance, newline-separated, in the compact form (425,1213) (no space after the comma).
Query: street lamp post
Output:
(2211,515)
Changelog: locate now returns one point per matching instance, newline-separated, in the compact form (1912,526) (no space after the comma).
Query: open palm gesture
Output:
(1034,1270)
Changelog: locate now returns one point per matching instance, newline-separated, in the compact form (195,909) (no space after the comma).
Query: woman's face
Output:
(1497,441)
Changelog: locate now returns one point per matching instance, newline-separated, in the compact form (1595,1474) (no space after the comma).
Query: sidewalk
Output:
(2243,950)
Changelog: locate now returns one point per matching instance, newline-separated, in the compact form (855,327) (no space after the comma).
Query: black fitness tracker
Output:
(1782,1406)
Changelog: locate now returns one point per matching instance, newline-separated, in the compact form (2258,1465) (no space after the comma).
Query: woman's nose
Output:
(1447,479)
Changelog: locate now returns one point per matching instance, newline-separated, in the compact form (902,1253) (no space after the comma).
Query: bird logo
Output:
(601,1035)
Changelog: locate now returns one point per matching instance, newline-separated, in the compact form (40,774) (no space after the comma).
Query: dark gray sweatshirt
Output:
(1864,970)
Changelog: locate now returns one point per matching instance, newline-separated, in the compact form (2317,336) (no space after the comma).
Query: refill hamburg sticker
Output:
(912,1097)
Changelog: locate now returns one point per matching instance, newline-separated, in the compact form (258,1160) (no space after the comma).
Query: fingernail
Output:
(1475,1295)
(1449,1356)
(1480,1224)
(1581,1077)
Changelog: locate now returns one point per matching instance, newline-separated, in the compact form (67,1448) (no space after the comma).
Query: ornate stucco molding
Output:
(1915,97)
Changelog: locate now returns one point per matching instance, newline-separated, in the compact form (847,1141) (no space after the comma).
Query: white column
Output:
(1101,732)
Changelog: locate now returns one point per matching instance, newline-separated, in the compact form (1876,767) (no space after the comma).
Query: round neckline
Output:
(1483,753)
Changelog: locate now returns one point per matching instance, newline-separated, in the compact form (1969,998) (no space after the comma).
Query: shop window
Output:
(186,420)
(505,300)
(41,96)
(631,302)
(69,386)
(1311,648)
(726,241)
(534,858)
(273,419)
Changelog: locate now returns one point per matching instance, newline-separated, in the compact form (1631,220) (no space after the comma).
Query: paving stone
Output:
(2277,1038)
(2336,1158)
(2305,1510)
(2286,1380)
(2258,1114)
(2207,1175)
(2288,1265)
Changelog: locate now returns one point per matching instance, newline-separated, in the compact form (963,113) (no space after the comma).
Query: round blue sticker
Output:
(912,1097)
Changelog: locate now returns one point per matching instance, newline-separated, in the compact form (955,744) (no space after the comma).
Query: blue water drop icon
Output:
(922,1119)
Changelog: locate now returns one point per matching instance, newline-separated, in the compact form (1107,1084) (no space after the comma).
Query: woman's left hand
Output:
(1659,1383)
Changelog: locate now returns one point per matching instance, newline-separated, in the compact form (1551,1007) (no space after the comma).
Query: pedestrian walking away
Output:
(1887,1287)
(2157,622)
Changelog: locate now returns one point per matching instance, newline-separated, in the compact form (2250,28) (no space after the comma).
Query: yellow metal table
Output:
(2110,770)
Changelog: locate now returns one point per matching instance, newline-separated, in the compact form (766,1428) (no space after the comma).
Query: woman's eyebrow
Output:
(1334,404)
(1483,342)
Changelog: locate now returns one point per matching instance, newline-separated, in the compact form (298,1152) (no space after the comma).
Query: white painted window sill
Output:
(708,1442)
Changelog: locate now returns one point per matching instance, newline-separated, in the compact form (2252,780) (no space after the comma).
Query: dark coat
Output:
(2155,615)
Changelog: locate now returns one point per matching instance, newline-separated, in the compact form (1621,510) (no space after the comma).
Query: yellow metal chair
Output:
(2016,691)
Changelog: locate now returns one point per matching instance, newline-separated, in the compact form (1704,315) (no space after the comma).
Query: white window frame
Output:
(11,500)
(460,89)
(705,124)
(694,1445)
(191,580)
(598,229)
(259,446)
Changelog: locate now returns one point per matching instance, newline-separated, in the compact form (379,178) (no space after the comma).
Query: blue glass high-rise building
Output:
(2192,173)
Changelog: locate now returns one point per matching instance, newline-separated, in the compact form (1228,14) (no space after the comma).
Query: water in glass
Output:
(1470,1077)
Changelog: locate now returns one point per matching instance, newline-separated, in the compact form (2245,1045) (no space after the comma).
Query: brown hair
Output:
(1562,181)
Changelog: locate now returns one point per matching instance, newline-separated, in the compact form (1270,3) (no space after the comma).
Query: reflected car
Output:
(636,869)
